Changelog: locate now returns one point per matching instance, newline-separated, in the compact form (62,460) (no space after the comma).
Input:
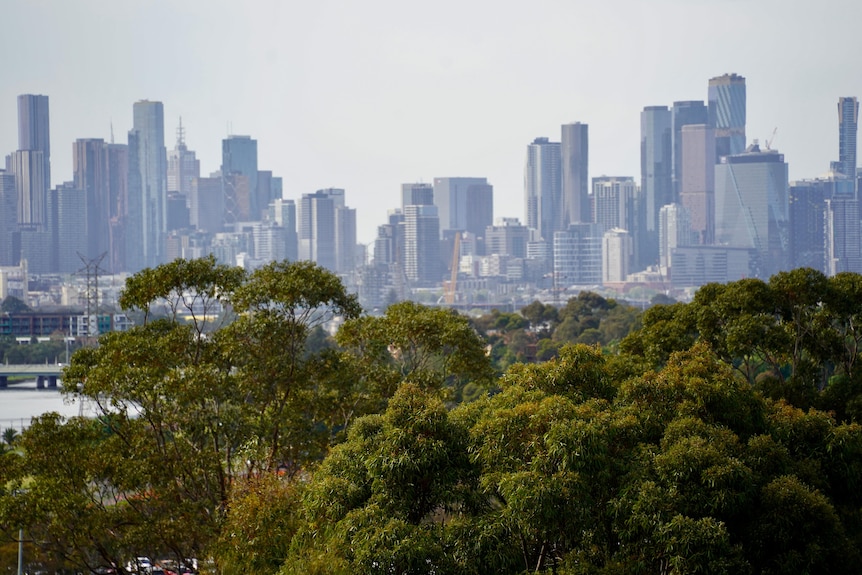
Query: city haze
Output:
(366,96)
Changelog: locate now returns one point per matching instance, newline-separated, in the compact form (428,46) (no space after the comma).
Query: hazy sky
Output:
(368,95)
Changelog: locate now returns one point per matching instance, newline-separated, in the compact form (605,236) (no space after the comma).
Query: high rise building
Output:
(464,204)
(843,243)
(345,239)
(117,169)
(71,227)
(317,227)
(697,181)
(422,264)
(32,190)
(807,218)
(614,202)
(574,150)
(674,232)
(752,209)
(8,220)
(727,114)
(617,250)
(89,159)
(34,130)
(507,237)
(656,178)
(543,188)
(283,212)
(578,255)
(239,156)
(848,119)
(417,194)
(684,113)
(147,194)
(183,165)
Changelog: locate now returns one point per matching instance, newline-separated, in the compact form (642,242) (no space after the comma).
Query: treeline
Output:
(719,437)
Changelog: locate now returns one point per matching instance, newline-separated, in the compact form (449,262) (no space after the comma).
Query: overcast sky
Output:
(368,95)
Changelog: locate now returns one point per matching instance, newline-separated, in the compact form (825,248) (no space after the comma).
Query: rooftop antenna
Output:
(181,134)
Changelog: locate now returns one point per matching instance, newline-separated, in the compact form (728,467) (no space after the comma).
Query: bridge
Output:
(44,374)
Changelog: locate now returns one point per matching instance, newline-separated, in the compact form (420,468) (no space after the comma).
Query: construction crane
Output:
(453,281)
(771,138)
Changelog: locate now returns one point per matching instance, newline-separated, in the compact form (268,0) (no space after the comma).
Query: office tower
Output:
(464,204)
(183,165)
(752,208)
(269,188)
(34,130)
(727,114)
(237,200)
(89,159)
(417,194)
(317,228)
(147,196)
(684,113)
(656,178)
(543,188)
(32,191)
(8,219)
(843,241)
(178,212)
(239,156)
(389,243)
(578,255)
(507,237)
(345,239)
(71,226)
(674,232)
(614,202)
(117,170)
(283,212)
(848,119)
(422,264)
(697,182)
(807,202)
(574,151)
(617,251)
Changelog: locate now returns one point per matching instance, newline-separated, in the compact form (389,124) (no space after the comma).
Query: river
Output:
(22,401)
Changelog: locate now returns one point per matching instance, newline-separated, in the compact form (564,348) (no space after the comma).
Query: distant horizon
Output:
(369,97)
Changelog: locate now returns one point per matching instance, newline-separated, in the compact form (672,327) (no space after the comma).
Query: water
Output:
(22,401)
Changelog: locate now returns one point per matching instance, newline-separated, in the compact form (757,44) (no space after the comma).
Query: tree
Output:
(12,304)
(185,409)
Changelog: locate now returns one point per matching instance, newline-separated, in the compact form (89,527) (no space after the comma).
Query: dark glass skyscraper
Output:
(147,189)
(575,150)
(239,157)
(727,113)
(34,130)
(656,178)
(848,119)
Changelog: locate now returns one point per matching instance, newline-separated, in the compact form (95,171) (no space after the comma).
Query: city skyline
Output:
(373,108)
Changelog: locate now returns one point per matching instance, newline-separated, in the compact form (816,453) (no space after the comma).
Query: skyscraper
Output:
(848,119)
(90,172)
(656,178)
(147,194)
(574,149)
(674,232)
(684,113)
(614,199)
(727,113)
(543,188)
(34,130)
(464,204)
(697,182)
(8,219)
(239,156)
(752,209)
(417,194)
(422,264)
(183,165)
(32,191)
